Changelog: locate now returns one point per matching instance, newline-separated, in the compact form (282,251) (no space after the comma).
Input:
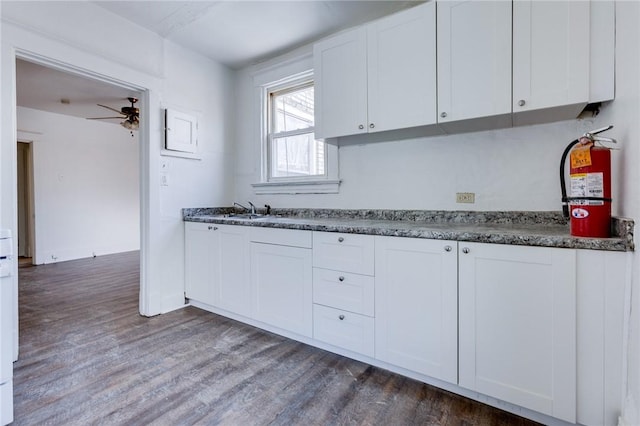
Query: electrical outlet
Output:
(466,197)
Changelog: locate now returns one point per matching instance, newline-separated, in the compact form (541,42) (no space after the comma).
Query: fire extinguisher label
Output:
(581,156)
(587,185)
(579,213)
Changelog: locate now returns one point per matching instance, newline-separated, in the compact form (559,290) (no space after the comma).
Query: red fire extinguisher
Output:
(588,205)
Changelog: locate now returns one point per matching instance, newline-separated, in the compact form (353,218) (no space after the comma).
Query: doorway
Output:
(25,203)
(85,166)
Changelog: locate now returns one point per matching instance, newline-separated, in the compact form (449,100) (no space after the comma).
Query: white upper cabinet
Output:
(551,62)
(340,73)
(493,64)
(378,77)
(474,64)
(402,70)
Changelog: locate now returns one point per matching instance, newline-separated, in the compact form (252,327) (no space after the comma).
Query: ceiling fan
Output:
(130,114)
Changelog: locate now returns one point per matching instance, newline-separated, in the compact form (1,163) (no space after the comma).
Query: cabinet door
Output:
(416,315)
(550,56)
(474,61)
(200,258)
(281,277)
(402,69)
(232,278)
(340,68)
(518,325)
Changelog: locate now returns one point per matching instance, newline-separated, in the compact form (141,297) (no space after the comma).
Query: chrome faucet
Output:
(253,208)
(243,207)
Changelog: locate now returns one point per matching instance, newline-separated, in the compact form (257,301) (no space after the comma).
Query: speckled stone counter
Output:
(545,229)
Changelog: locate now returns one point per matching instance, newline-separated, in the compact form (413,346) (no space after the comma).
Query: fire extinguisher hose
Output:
(563,184)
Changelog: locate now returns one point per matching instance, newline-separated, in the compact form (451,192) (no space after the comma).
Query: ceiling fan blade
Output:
(104,118)
(112,109)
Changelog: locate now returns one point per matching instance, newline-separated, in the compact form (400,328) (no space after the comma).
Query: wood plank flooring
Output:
(87,357)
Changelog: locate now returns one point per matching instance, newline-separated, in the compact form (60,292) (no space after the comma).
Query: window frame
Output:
(313,184)
(283,89)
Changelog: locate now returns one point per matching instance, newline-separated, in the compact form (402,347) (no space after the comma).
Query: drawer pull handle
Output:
(466,250)
(341,239)
(215,228)
(341,317)
(447,248)
(341,278)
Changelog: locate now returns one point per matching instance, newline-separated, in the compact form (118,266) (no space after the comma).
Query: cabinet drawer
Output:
(343,252)
(282,237)
(344,290)
(343,329)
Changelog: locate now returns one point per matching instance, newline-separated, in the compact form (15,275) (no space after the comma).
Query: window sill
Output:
(302,187)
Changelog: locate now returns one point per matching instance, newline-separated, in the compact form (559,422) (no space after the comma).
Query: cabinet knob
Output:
(447,248)
(341,239)
(466,250)
(361,126)
(521,102)
(341,278)
(372,125)
(443,114)
(341,317)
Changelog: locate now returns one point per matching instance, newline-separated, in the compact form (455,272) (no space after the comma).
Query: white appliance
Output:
(6,327)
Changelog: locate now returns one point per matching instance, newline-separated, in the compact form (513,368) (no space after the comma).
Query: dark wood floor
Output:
(87,357)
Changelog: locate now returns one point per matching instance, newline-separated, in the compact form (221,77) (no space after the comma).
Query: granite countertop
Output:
(545,229)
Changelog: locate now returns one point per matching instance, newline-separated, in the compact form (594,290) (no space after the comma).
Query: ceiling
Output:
(239,32)
(233,32)
(47,89)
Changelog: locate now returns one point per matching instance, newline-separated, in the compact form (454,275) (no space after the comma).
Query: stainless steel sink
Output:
(250,216)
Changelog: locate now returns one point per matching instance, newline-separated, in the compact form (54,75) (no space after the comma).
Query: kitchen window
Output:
(294,161)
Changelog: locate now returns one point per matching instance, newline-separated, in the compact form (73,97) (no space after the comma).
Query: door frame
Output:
(145,303)
(29,190)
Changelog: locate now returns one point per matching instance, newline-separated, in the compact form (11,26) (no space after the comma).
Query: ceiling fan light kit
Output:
(131,114)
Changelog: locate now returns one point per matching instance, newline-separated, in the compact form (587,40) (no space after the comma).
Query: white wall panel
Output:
(86,185)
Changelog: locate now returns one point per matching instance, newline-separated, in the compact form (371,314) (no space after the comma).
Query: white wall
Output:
(624,114)
(86,186)
(204,89)
(509,169)
(83,36)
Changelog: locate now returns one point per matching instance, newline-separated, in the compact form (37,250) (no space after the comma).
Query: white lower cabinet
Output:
(416,309)
(509,322)
(282,285)
(517,326)
(233,287)
(200,249)
(343,329)
(217,266)
(343,294)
